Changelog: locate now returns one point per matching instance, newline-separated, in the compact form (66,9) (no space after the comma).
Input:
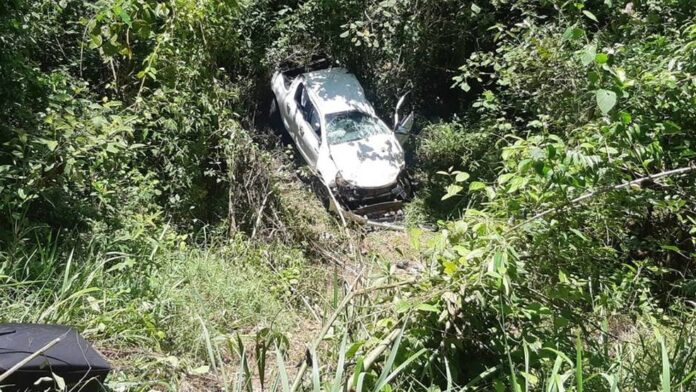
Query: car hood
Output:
(373,162)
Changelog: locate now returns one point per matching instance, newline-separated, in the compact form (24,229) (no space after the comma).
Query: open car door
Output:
(402,126)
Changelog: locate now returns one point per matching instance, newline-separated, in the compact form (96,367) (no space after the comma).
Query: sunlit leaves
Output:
(588,54)
(461,176)
(449,267)
(590,15)
(573,33)
(601,58)
(606,100)
(51,144)
(476,185)
(452,190)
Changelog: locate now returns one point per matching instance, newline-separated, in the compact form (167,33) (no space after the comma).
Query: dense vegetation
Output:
(146,201)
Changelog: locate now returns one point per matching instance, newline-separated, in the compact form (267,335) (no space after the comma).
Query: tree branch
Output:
(28,359)
(638,181)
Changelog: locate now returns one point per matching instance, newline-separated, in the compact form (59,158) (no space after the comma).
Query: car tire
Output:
(322,193)
(274,116)
(408,186)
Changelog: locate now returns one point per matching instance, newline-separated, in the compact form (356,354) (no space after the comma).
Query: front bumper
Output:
(359,198)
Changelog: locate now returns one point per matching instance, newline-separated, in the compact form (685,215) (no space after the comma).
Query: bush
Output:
(451,146)
(565,252)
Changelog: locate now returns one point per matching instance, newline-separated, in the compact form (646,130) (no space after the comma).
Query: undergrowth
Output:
(156,303)
(145,202)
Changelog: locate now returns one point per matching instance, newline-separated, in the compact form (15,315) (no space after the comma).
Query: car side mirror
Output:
(405,126)
(399,104)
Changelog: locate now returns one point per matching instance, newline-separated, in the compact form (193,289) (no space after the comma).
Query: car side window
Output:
(309,112)
(315,121)
(301,96)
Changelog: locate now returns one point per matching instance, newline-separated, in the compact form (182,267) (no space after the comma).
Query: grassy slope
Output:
(168,317)
(147,311)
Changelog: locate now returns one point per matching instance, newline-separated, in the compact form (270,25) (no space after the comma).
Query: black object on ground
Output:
(72,358)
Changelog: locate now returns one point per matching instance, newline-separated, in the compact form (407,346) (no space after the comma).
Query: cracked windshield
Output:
(352,126)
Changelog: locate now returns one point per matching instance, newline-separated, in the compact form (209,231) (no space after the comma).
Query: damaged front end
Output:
(383,203)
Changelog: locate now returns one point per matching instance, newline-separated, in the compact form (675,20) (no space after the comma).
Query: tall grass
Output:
(630,365)
(196,315)
(161,307)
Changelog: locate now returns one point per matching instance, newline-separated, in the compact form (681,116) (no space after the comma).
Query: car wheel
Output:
(322,193)
(274,116)
(407,185)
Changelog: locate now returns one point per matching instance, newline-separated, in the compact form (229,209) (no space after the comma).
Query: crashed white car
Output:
(355,154)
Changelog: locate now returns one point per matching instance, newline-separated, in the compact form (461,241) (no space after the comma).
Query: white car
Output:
(355,154)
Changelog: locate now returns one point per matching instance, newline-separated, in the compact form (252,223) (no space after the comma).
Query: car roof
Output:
(337,90)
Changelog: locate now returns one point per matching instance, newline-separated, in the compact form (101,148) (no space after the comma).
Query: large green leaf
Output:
(588,54)
(590,15)
(573,33)
(452,190)
(606,100)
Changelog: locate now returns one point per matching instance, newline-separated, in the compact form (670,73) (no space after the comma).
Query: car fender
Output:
(282,96)
(277,86)
(326,167)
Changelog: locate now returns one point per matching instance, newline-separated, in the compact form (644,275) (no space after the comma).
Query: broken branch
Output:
(589,195)
(28,359)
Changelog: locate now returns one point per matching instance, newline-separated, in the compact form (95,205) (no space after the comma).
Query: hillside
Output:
(148,201)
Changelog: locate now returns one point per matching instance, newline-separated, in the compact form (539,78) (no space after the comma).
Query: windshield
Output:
(351,126)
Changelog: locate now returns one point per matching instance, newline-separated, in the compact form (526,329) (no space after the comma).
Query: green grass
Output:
(154,310)
(231,288)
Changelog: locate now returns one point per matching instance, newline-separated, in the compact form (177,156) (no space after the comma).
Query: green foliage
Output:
(558,246)
(153,298)
(123,139)
(111,115)
(444,147)
(123,131)
(393,46)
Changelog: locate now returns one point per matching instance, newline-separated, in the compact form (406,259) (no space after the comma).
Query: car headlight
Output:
(346,190)
(342,182)
(403,186)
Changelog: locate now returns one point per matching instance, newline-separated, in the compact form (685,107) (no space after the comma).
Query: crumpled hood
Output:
(369,163)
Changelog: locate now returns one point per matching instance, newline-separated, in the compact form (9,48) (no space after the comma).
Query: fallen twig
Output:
(589,195)
(375,353)
(260,214)
(28,359)
(384,225)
